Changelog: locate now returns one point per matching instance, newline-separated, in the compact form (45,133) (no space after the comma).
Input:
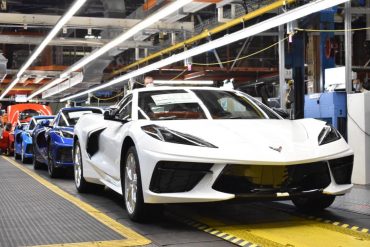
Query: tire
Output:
(16,156)
(36,165)
(53,171)
(23,159)
(313,204)
(81,184)
(132,190)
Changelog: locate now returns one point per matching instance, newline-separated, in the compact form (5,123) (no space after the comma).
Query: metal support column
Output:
(348,45)
(295,59)
(282,67)
(210,39)
(326,39)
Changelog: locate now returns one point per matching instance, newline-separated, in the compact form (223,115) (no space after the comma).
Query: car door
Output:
(107,159)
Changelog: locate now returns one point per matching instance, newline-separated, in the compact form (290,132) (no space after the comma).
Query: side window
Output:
(61,122)
(125,108)
(125,112)
(32,125)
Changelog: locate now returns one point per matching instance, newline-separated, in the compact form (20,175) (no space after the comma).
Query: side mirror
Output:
(45,123)
(109,114)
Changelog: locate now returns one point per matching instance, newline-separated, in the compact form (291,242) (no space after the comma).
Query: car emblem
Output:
(277,149)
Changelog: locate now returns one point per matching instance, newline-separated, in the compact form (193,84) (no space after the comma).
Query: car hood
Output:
(267,141)
(224,132)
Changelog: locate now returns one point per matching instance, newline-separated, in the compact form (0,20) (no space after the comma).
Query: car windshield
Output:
(188,104)
(26,114)
(70,117)
(170,104)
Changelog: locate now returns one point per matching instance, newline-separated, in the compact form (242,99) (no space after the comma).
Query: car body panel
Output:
(23,137)
(15,115)
(57,138)
(246,142)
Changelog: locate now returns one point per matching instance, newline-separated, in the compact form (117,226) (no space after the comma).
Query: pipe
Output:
(207,33)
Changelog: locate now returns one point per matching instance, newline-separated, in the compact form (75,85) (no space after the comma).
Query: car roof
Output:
(80,108)
(43,116)
(156,88)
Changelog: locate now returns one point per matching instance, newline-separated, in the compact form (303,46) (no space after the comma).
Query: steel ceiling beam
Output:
(35,40)
(31,20)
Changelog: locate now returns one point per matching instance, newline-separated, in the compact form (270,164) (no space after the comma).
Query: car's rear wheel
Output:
(132,189)
(16,156)
(81,184)
(23,159)
(311,204)
(36,164)
(53,171)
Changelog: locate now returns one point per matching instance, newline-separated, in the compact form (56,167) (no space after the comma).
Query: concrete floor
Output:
(350,211)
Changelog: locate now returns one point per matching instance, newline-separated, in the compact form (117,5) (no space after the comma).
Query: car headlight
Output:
(167,135)
(66,134)
(328,134)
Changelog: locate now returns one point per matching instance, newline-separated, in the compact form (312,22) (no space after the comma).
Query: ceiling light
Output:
(49,85)
(59,25)
(276,21)
(147,22)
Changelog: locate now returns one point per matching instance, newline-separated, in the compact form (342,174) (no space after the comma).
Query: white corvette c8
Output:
(184,144)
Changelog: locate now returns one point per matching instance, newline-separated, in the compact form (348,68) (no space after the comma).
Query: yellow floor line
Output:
(132,238)
(297,232)
(292,230)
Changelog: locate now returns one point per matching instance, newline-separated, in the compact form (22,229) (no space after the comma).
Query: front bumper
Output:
(206,183)
(63,155)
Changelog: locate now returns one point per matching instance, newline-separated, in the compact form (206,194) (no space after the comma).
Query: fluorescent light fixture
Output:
(15,81)
(180,82)
(49,85)
(38,80)
(59,25)
(150,20)
(276,21)
(147,22)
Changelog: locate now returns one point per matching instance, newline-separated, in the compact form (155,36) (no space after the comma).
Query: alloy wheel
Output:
(130,183)
(77,166)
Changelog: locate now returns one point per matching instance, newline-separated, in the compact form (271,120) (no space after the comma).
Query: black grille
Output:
(249,179)
(342,169)
(29,149)
(65,154)
(171,177)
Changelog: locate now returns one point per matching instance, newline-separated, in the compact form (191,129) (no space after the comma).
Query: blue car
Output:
(54,143)
(23,138)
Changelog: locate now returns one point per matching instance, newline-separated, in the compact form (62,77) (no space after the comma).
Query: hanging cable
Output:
(244,57)
(106,99)
(179,75)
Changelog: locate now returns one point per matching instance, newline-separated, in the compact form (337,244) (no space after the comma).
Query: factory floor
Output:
(38,211)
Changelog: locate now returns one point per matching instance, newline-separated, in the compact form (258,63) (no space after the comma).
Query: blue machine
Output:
(330,107)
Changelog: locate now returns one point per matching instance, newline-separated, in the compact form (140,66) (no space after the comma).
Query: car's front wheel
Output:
(132,189)
(36,164)
(16,156)
(311,204)
(81,184)
(23,158)
(53,171)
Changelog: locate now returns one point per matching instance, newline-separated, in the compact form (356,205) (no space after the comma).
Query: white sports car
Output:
(182,145)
